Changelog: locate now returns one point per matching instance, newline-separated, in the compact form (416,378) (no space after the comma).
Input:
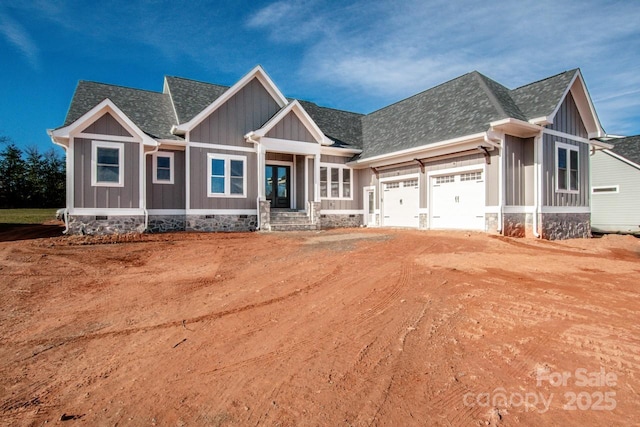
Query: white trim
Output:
(600,187)
(167,211)
(62,135)
(567,136)
(187,175)
(100,136)
(569,148)
(343,212)
(369,218)
(335,151)
(289,147)
(106,212)
(340,167)
(221,212)
(565,209)
(519,209)
(622,159)
(154,168)
(491,209)
(400,177)
(172,144)
(221,147)
(227,175)
(257,72)
(94,163)
(292,178)
(429,147)
(306,182)
(304,118)
(268,162)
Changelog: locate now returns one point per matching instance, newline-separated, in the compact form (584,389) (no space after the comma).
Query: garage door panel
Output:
(457,201)
(400,203)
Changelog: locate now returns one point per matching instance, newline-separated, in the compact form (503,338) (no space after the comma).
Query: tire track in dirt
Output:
(54,343)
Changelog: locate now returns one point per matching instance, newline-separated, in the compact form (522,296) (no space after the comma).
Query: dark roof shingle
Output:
(190,97)
(628,147)
(539,99)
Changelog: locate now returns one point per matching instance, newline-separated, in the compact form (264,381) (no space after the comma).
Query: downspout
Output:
(493,140)
(250,137)
(538,182)
(144,187)
(66,208)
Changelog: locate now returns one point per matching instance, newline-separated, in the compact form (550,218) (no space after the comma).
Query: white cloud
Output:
(18,36)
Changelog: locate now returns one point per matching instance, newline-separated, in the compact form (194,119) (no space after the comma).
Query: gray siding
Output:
(199,178)
(87,196)
(568,119)
(615,212)
(356,203)
(291,128)
(334,159)
(167,196)
(518,171)
(247,110)
(107,125)
(549,195)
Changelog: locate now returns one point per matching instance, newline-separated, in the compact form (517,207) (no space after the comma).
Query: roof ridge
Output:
(120,86)
(197,81)
(418,94)
(329,108)
(492,96)
(546,78)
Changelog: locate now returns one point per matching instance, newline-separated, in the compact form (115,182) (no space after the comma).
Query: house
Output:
(615,187)
(468,154)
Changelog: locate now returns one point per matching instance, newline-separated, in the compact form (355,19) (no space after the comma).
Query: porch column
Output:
(261,165)
(316,178)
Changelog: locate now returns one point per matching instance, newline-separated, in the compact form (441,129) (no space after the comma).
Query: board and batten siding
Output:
(356,187)
(567,120)
(87,196)
(199,179)
(167,196)
(518,171)
(107,125)
(615,212)
(291,128)
(245,111)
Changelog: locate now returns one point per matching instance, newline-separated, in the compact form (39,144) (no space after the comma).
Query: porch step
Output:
(290,220)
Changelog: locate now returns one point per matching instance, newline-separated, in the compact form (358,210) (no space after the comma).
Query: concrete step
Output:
(293,227)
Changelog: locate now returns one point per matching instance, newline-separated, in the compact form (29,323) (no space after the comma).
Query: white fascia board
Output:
(170,144)
(290,147)
(335,151)
(258,73)
(302,115)
(106,106)
(516,127)
(541,121)
(622,159)
(450,143)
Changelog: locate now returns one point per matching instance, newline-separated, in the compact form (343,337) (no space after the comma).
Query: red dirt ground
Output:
(349,327)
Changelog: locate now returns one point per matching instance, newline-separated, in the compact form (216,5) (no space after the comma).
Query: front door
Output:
(278,186)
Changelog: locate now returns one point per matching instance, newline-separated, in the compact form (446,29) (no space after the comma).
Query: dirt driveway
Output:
(351,327)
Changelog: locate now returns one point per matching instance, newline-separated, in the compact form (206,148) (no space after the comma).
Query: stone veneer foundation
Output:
(99,225)
(517,224)
(558,226)
(166,223)
(221,222)
(340,220)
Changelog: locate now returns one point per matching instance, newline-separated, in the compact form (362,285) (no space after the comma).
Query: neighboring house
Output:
(468,154)
(615,187)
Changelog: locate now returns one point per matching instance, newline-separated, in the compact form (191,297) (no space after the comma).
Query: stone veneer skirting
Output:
(517,224)
(340,220)
(491,222)
(222,222)
(558,226)
(166,223)
(99,225)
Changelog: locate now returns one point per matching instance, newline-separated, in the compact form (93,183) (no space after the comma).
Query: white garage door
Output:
(400,203)
(457,201)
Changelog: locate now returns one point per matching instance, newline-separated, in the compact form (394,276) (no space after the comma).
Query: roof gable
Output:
(257,73)
(304,118)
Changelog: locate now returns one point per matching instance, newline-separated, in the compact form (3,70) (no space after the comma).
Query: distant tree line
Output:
(29,178)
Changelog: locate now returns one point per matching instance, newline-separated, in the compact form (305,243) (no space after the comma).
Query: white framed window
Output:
(336,182)
(226,175)
(567,168)
(471,176)
(608,189)
(445,179)
(107,164)
(163,167)
(391,185)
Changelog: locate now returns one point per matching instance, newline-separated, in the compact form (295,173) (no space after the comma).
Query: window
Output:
(390,185)
(163,168)
(605,190)
(471,176)
(107,164)
(567,168)
(445,179)
(335,182)
(410,183)
(226,175)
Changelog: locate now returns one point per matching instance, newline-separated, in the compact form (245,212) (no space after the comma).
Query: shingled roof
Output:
(343,127)
(628,147)
(150,111)
(539,99)
(191,96)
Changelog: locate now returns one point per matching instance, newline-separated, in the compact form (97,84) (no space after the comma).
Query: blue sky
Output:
(358,56)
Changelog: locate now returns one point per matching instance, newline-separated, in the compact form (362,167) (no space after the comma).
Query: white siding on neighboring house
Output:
(613,211)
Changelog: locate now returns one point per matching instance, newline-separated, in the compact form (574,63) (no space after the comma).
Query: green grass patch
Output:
(26,216)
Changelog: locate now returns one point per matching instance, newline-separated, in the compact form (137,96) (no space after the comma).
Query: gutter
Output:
(494,140)
(66,209)
(144,186)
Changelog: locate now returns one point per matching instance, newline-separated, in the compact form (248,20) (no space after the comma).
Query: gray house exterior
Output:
(615,187)
(468,154)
